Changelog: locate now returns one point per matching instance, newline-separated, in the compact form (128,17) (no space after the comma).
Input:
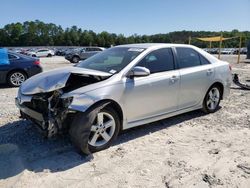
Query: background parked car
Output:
(26,51)
(85,52)
(243,51)
(227,51)
(41,53)
(60,51)
(214,51)
(18,68)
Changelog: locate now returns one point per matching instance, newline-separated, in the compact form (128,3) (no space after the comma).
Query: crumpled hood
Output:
(55,79)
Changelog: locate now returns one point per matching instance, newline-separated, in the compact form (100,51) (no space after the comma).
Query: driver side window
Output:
(158,61)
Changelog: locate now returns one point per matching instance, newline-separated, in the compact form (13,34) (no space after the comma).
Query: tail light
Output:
(37,62)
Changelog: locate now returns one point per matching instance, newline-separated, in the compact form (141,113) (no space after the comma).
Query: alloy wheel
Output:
(75,59)
(213,98)
(102,129)
(17,78)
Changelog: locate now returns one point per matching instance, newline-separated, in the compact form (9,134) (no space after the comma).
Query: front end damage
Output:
(48,110)
(52,109)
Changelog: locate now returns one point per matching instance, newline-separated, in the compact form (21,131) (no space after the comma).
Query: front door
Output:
(156,94)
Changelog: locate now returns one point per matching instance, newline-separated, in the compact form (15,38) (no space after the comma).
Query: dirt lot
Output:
(190,150)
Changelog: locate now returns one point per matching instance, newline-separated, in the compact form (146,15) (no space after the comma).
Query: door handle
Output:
(174,78)
(209,71)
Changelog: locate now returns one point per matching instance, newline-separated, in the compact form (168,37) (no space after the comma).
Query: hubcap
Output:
(17,78)
(102,130)
(213,98)
(75,59)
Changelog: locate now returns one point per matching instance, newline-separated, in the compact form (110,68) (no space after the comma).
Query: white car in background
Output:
(41,53)
(227,51)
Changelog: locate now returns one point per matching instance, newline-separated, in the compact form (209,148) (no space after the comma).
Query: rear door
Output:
(39,53)
(42,53)
(196,75)
(13,62)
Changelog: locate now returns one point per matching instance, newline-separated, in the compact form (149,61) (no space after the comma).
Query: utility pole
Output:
(220,45)
(239,50)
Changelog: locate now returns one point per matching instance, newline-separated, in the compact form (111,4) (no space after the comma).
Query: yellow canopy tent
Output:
(220,39)
(215,39)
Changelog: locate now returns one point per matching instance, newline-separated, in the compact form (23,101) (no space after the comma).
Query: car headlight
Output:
(67,101)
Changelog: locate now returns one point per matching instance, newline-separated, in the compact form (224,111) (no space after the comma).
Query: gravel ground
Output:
(190,150)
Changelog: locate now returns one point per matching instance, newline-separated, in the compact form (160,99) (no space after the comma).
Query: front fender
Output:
(81,103)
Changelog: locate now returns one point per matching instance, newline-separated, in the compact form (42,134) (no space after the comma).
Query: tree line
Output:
(38,33)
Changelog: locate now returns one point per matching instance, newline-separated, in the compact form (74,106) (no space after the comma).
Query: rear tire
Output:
(95,131)
(49,55)
(16,78)
(212,99)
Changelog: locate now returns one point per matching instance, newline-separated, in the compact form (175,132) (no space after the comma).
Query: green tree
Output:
(38,33)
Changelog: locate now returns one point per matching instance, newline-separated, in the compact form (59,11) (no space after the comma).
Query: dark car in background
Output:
(60,51)
(63,51)
(16,68)
(75,56)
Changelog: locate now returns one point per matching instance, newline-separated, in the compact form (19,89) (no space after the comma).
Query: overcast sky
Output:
(132,16)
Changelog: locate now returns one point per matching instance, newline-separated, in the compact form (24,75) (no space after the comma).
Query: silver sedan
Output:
(123,87)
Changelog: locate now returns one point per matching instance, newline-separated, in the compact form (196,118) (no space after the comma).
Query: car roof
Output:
(151,45)
(42,49)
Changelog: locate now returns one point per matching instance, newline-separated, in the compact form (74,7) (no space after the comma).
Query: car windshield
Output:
(112,60)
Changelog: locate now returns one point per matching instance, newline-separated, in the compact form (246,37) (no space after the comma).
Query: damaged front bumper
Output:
(48,113)
(35,115)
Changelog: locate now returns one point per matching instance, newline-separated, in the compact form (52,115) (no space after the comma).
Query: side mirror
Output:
(138,72)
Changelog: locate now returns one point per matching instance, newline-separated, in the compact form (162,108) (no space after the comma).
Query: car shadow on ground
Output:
(4,86)
(23,147)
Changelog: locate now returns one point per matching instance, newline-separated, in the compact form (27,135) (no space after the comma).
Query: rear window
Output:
(187,57)
(203,60)
(97,49)
(11,57)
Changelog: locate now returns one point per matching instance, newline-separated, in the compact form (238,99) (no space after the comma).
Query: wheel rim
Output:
(213,98)
(102,129)
(75,59)
(17,78)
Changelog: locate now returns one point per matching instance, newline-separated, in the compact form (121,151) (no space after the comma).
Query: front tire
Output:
(16,78)
(75,59)
(212,99)
(95,131)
